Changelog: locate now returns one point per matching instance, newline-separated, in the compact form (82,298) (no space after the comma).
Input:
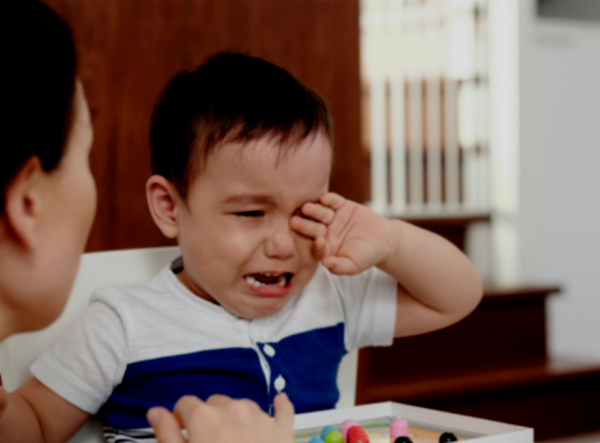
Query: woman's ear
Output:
(23,202)
(164,202)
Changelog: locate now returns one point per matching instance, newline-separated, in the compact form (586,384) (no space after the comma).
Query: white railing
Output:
(424,68)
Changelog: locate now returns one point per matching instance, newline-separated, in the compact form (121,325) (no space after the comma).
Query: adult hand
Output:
(223,420)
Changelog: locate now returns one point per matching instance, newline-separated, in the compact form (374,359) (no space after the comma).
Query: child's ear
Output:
(23,205)
(163,202)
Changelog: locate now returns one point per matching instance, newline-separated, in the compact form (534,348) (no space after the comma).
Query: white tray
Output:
(476,429)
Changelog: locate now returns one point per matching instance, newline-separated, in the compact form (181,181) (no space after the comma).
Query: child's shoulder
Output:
(148,292)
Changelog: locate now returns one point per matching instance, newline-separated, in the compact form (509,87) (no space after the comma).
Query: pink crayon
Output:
(398,428)
(347,424)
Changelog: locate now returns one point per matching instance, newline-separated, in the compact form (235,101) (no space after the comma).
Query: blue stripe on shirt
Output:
(308,362)
(235,372)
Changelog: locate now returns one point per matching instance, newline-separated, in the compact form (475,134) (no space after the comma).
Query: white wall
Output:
(560,174)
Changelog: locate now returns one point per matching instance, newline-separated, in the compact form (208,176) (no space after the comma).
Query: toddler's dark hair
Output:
(231,97)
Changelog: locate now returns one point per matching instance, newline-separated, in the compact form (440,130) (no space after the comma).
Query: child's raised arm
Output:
(437,284)
(35,414)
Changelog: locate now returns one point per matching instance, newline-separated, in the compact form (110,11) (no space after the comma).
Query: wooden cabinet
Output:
(493,364)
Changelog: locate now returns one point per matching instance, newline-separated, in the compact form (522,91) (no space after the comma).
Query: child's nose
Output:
(280,243)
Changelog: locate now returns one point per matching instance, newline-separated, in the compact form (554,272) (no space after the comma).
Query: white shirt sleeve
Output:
(88,361)
(369,304)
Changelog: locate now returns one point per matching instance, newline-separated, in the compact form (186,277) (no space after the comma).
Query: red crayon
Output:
(357,434)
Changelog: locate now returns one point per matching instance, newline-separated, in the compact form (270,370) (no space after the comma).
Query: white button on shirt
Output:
(280,383)
(257,330)
(268,349)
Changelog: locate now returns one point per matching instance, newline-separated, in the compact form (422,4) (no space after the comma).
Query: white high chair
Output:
(98,269)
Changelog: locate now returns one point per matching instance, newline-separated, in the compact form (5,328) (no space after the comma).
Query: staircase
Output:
(494,364)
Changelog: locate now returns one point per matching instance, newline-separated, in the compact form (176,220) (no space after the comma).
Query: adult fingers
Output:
(284,411)
(193,413)
(241,413)
(166,427)
(223,401)
(218,400)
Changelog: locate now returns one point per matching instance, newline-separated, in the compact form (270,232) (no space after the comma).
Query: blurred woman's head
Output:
(48,195)
(38,82)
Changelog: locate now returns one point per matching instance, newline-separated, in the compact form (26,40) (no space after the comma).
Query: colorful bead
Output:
(334,436)
(326,430)
(347,424)
(447,437)
(357,434)
(398,428)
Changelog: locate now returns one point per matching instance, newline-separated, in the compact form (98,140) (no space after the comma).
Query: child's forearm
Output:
(18,422)
(438,285)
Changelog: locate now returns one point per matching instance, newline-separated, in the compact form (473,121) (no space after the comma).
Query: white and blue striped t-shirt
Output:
(139,346)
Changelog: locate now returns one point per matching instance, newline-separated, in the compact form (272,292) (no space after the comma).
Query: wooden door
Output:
(128,50)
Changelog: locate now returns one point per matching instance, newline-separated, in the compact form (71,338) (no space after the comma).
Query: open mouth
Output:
(268,278)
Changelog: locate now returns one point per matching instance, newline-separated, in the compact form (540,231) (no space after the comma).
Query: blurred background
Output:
(477,119)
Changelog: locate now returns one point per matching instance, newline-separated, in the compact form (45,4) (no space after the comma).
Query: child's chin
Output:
(275,306)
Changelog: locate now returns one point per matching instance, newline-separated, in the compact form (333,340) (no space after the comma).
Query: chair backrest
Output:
(98,269)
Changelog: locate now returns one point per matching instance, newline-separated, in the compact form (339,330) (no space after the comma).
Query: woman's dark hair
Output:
(230,97)
(38,82)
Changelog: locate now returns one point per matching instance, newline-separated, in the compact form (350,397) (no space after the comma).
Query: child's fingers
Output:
(166,427)
(318,212)
(308,228)
(340,265)
(320,248)
(332,200)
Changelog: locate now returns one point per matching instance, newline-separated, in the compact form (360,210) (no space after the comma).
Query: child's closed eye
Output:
(250,214)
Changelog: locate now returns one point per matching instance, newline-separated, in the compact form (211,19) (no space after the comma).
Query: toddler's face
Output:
(237,245)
